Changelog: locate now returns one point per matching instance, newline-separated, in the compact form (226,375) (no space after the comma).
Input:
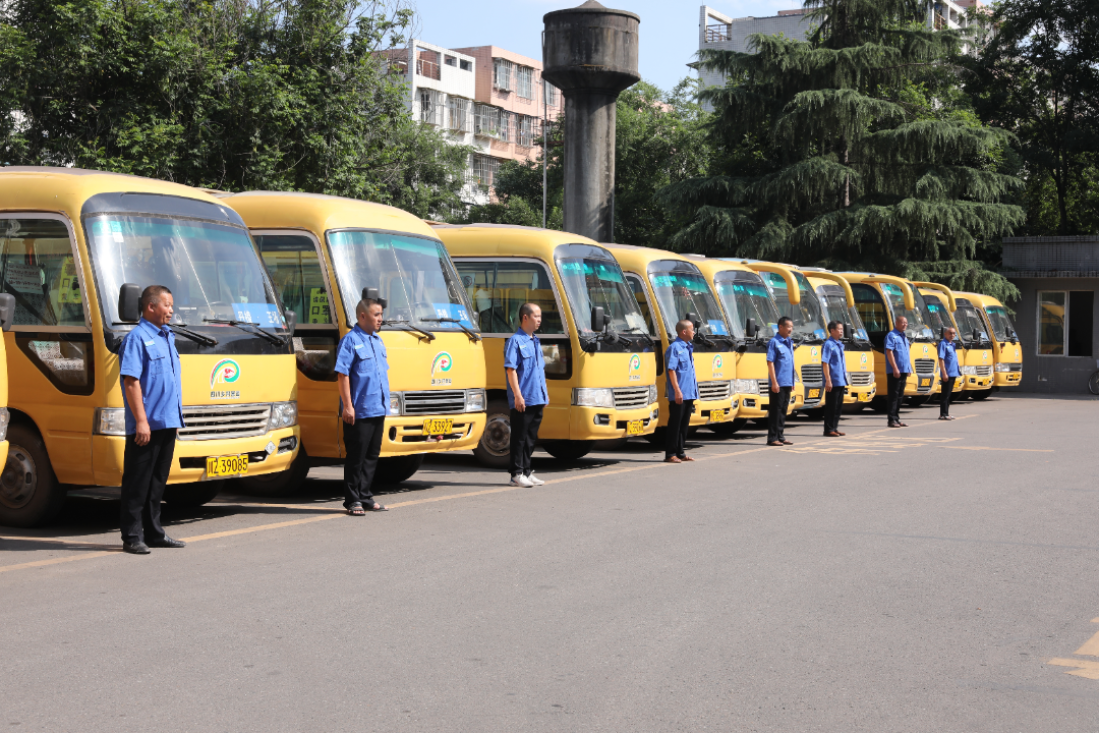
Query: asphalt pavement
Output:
(940,577)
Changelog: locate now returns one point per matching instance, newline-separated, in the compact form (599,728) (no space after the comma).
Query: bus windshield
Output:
(1001,322)
(747,298)
(599,283)
(414,274)
(682,292)
(918,317)
(940,316)
(834,301)
(212,269)
(968,322)
(809,323)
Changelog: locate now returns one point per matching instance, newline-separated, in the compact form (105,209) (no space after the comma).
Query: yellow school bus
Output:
(974,351)
(323,253)
(600,367)
(671,288)
(76,248)
(837,301)
(1006,349)
(753,320)
(880,301)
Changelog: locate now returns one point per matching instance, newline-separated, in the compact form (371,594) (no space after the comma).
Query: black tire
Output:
(1093,384)
(494,448)
(879,405)
(657,437)
(760,422)
(980,394)
(568,450)
(283,483)
(30,495)
(612,444)
(396,469)
(190,496)
(815,414)
(728,428)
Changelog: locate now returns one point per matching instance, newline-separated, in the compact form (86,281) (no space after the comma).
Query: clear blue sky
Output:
(669,28)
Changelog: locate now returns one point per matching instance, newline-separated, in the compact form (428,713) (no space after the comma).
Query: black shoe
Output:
(167,542)
(135,548)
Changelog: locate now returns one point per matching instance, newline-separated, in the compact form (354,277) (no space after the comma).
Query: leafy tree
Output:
(849,149)
(1038,77)
(229,94)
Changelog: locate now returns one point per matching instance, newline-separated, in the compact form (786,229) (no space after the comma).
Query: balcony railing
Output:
(427,69)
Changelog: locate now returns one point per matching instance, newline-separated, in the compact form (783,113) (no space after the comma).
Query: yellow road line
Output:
(56,560)
(981,447)
(1083,667)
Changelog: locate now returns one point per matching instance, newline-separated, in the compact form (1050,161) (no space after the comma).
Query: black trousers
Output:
(524,434)
(776,413)
(947,394)
(364,444)
(145,470)
(679,422)
(833,405)
(896,385)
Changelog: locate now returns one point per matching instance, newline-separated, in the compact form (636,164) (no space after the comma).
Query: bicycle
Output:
(1093,383)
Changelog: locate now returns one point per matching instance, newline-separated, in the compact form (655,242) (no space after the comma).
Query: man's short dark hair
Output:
(527,309)
(682,326)
(832,325)
(151,295)
(364,306)
(784,320)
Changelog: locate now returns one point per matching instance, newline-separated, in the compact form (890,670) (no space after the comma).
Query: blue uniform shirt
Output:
(780,351)
(897,342)
(832,355)
(362,358)
(523,353)
(149,355)
(950,358)
(679,358)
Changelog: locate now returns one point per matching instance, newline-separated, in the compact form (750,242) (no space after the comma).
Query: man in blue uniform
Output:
(682,391)
(362,374)
(835,379)
(948,369)
(897,364)
(780,368)
(152,392)
(525,369)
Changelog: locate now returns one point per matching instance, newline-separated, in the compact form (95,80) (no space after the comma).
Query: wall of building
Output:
(1044,373)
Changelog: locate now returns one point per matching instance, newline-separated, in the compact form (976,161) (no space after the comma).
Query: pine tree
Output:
(853,148)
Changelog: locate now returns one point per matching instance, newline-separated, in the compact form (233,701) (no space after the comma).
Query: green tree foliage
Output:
(228,94)
(850,149)
(1038,76)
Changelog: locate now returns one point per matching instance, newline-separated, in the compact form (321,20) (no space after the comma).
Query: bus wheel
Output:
(494,450)
(981,394)
(29,493)
(657,437)
(728,428)
(879,404)
(189,496)
(568,450)
(396,469)
(282,483)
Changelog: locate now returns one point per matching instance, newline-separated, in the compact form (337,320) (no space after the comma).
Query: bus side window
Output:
(872,311)
(638,289)
(498,289)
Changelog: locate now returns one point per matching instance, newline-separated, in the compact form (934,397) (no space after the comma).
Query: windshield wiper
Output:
(472,336)
(428,335)
(277,340)
(642,333)
(181,329)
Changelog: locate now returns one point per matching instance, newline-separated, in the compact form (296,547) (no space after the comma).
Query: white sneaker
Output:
(520,480)
(534,480)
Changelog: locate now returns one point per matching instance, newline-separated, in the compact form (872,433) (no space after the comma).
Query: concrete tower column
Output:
(590,54)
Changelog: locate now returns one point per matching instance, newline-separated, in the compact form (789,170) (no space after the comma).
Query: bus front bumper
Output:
(607,423)
(712,412)
(754,406)
(1008,379)
(921,385)
(269,453)
(860,394)
(408,434)
(976,383)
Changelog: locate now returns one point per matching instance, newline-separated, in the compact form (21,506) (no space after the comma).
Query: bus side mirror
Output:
(7,311)
(976,335)
(291,321)
(942,333)
(372,294)
(750,328)
(693,318)
(129,303)
(1011,335)
(598,319)
(848,332)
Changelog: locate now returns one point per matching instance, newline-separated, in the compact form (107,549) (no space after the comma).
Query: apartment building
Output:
(486,97)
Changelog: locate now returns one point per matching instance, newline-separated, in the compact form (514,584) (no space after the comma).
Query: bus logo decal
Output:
(225,372)
(635,368)
(864,359)
(442,364)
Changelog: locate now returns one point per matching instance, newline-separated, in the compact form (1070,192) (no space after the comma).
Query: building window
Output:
(431,109)
(458,114)
(501,74)
(1066,322)
(486,119)
(450,61)
(525,130)
(465,65)
(551,93)
(524,85)
(503,127)
(484,170)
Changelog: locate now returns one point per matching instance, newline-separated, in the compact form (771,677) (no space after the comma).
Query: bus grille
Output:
(630,398)
(1015,367)
(925,366)
(213,422)
(764,386)
(713,390)
(985,370)
(435,402)
(812,376)
(861,379)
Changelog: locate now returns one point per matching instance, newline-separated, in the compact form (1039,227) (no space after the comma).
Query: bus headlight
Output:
(5,420)
(1003,367)
(108,421)
(746,386)
(283,415)
(394,404)
(654,394)
(475,400)
(586,397)
(969,371)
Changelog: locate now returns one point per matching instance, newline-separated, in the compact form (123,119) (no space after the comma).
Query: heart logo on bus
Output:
(717,361)
(635,363)
(442,363)
(225,371)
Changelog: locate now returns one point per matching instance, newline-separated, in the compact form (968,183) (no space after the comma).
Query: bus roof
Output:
(493,240)
(978,299)
(320,213)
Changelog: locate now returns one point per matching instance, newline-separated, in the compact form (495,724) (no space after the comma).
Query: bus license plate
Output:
(813,394)
(864,396)
(717,415)
(439,426)
(222,466)
(635,427)
(925,382)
